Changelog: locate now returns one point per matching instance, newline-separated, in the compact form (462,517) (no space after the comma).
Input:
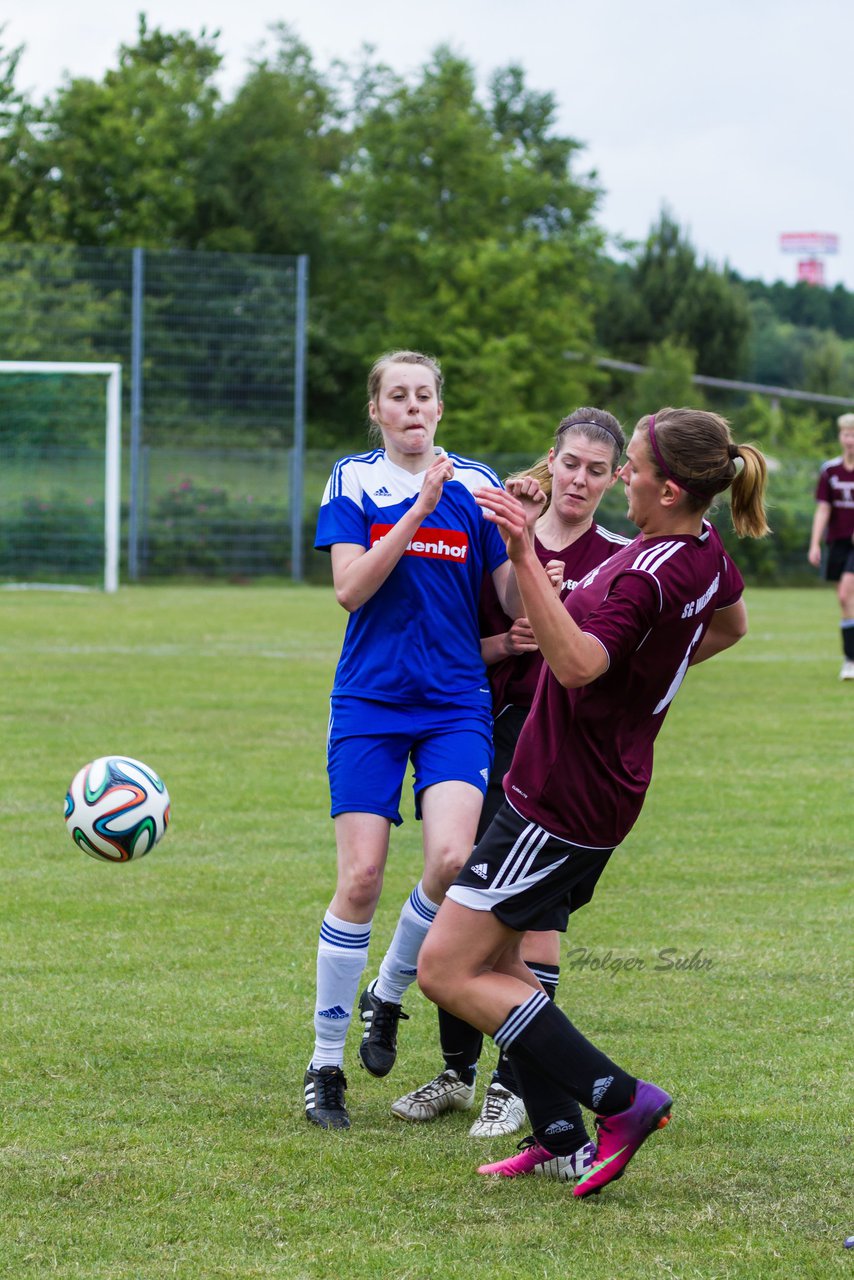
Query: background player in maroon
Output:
(575,474)
(617,651)
(833,522)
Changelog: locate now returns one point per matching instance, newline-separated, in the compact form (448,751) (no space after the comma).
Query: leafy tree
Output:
(666,381)
(461,230)
(663,293)
(15,117)
(266,181)
(118,159)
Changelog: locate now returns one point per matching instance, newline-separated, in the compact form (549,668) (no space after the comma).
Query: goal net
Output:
(60,479)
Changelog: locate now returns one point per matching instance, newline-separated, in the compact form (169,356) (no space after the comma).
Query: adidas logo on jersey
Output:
(335,1012)
(480,869)
(484,773)
(382,492)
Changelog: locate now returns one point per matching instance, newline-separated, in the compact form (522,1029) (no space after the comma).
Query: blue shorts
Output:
(371,743)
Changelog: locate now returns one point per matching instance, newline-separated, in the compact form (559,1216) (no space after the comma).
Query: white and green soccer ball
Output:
(117,808)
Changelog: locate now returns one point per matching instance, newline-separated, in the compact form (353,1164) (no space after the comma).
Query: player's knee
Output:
(447,863)
(432,975)
(360,885)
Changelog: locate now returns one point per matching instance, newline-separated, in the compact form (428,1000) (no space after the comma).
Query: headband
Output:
(663,467)
(588,422)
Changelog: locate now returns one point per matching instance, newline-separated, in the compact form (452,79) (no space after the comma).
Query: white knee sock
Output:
(342,954)
(400,964)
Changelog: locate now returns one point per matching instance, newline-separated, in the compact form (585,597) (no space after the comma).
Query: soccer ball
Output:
(116,808)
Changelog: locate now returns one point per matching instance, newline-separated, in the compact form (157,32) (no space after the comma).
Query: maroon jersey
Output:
(514,680)
(836,486)
(584,758)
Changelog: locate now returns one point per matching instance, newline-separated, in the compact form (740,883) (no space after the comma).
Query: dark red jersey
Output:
(584,758)
(514,680)
(836,486)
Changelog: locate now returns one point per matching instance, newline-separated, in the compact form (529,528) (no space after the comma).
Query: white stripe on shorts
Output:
(521,856)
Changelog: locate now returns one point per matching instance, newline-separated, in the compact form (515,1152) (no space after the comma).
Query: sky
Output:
(736,116)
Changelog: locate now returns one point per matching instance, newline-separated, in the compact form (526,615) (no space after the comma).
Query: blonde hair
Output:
(695,449)
(845,422)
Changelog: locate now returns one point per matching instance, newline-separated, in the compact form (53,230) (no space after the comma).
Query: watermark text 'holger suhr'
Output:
(667,960)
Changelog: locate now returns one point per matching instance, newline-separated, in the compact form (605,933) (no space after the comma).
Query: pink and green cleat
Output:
(620,1136)
(533,1158)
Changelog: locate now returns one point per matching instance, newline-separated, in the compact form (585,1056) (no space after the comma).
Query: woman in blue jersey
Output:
(616,652)
(409,548)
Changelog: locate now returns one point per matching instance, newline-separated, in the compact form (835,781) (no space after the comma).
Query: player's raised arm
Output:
(574,658)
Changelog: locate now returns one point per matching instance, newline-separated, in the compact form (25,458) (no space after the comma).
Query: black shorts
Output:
(838,559)
(505,735)
(527,877)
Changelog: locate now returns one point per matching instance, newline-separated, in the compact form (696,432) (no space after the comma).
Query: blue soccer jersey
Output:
(417,639)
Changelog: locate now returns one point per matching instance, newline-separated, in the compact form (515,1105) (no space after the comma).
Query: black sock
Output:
(562,1058)
(555,1116)
(848,640)
(461,1045)
(547,975)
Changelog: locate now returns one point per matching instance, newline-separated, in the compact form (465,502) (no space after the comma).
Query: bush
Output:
(196,529)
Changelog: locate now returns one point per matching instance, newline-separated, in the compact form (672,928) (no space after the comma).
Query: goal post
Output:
(112,450)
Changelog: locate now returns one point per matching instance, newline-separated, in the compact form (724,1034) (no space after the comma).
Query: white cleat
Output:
(847,672)
(447,1092)
(502,1112)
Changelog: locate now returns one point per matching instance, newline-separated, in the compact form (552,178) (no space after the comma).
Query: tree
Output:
(274,151)
(118,160)
(15,120)
(664,293)
(461,230)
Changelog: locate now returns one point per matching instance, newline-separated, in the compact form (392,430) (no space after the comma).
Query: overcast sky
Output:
(736,114)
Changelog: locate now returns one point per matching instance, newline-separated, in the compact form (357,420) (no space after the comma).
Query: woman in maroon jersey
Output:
(616,652)
(575,475)
(833,523)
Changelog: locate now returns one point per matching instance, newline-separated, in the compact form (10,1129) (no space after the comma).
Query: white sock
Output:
(342,954)
(400,963)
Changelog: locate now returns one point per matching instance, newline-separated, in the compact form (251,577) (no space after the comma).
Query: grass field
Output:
(157,1016)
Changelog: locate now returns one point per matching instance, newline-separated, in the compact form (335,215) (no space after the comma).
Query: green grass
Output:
(157,1016)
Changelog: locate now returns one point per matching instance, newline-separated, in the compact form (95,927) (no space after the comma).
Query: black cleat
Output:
(378,1049)
(324,1098)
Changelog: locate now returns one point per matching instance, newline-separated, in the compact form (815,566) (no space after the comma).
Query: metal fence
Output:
(212,347)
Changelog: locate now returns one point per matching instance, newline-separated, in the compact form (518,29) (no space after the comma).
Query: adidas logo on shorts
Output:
(480,869)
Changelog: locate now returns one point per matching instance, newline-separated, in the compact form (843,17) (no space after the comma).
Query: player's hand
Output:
(814,556)
(434,482)
(520,638)
(508,513)
(532,496)
(556,569)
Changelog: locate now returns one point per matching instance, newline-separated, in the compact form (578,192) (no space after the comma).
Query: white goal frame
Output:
(112,468)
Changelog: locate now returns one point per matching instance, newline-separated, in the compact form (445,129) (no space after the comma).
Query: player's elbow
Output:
(578,669)
(347,597)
